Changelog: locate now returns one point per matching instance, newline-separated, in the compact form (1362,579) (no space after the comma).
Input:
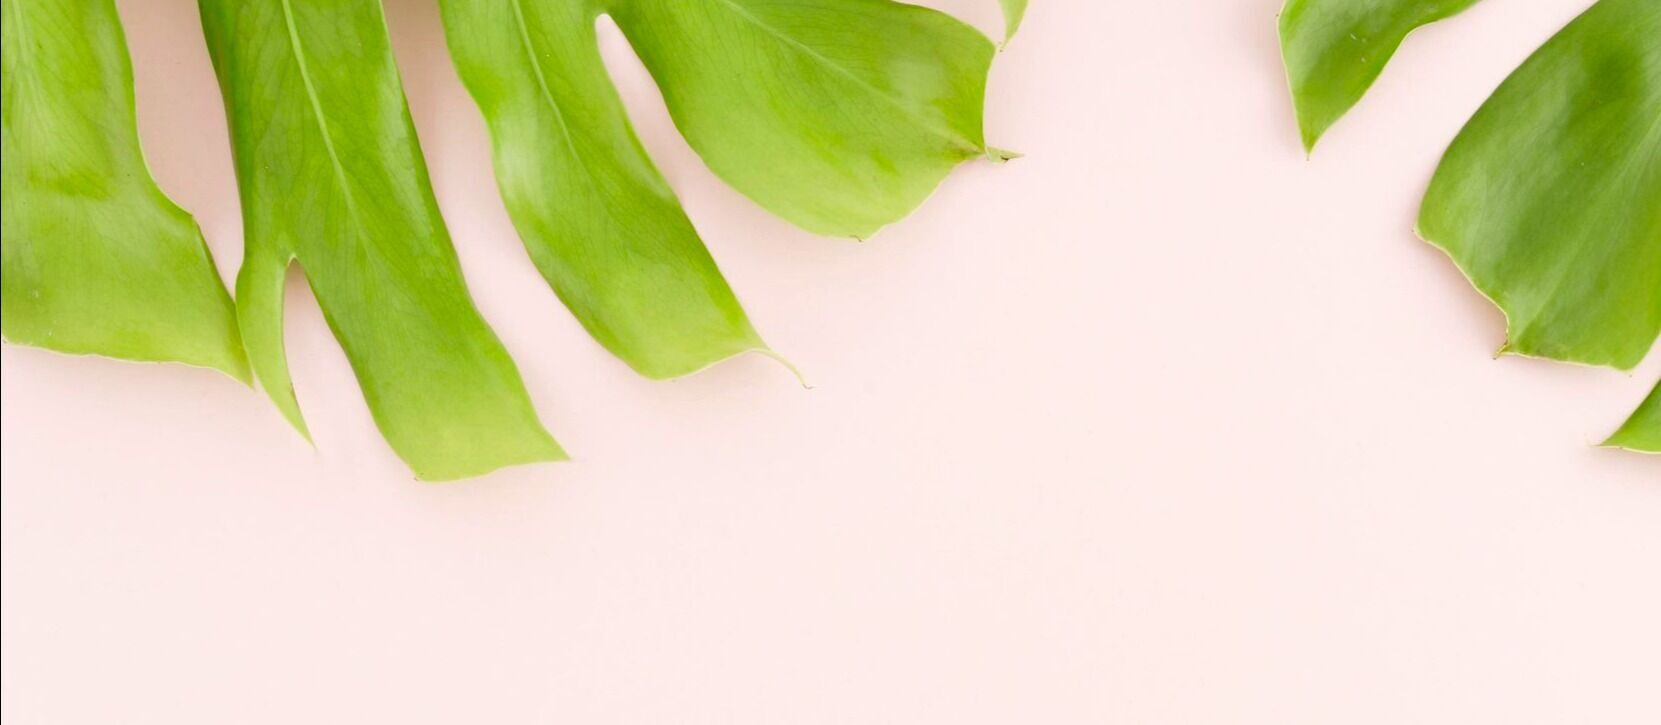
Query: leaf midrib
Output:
(548,93)
(317,114)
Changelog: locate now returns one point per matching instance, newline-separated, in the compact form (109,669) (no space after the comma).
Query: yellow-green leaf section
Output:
(1335,49)
(331,176)
(840,116)
(97,260)
(600,222)
(1642,431)
(1550,198)
(1014,12)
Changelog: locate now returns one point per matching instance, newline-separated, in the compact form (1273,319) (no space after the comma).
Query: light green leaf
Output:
(598,219)
(1014,11)
(840,116)
(1643,431)
(331,176)
(1550,198)
(1335,49)
(97,260)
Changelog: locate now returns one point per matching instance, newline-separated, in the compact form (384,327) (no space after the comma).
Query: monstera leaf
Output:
(600,222)
(96,259)
(1643,431)
(1335,49)
(1550,198)
(838,115)
(331,177)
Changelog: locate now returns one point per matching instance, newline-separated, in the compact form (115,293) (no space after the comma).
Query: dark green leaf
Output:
(1550,198)
(1335,49)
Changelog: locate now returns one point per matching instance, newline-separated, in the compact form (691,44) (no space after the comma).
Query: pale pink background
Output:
(1160,424)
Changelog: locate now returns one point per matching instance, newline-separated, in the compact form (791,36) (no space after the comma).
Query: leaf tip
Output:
(1015,12)
(299,424)
(239,370)
(1310,136)
(782,360)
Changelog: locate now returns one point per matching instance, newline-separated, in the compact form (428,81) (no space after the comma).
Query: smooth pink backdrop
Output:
(1160,424)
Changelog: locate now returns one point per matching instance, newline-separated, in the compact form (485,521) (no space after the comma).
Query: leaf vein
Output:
(317,113)
(804,49)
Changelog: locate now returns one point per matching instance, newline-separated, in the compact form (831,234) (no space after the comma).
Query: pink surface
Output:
(1160,424)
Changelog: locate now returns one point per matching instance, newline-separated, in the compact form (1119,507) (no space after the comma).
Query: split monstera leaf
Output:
(1550,198)
(96,259)
(840,116)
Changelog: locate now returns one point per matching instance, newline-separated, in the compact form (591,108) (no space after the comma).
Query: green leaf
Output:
(97,260)
(1335,49)
(840,116)
(600,222)
(1014,11)
(1550,198)
(331,176)
(1643,431)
